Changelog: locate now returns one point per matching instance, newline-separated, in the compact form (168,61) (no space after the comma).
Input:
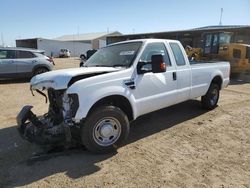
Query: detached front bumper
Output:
(39,130)
(24,115)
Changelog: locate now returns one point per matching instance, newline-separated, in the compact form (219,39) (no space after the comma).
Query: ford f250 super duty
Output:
(96,103)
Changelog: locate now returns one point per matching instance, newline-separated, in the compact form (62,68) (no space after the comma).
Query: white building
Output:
(97,40)
(77,44)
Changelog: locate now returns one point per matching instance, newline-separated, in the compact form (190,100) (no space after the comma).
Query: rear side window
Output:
(37,54)
(3,54)
(7,54)
(25,54)
(178,55)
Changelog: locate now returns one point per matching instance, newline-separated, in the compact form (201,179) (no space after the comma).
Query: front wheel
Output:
(105,129)
(210,100)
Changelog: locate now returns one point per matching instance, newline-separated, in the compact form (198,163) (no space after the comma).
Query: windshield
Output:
(225,38)
(119,55)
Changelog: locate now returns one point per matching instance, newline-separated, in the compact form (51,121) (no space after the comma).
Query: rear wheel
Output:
(105,129)
(40,70)
(210,100)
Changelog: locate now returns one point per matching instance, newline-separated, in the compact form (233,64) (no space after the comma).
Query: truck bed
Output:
(203,62)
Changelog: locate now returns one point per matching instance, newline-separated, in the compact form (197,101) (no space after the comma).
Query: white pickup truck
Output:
(118,84)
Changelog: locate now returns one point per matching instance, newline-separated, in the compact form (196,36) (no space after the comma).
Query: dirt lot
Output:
(180,146)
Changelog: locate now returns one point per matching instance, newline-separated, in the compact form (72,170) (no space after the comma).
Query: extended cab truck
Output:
(118,84)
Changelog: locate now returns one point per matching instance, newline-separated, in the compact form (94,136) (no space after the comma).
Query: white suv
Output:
(64,53)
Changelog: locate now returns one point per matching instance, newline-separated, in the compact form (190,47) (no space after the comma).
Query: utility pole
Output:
(77,32)
(74,44)
(133,30)
(221,12)
(2,39)
(77,41)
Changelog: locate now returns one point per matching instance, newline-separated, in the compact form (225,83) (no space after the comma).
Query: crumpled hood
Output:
(59,79)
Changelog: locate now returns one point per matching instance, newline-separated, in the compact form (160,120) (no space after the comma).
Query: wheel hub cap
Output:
(106,130)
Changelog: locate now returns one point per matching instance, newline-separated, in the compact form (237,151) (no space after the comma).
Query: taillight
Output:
(50,60)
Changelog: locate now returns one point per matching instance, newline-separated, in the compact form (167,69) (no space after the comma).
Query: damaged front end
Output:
(53,128)
(58,126)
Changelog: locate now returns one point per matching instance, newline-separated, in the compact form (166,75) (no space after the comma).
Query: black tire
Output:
(210,100)
(40,70)
(109,117)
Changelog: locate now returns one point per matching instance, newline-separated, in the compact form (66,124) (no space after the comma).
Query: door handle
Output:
(130,83)
(174,76)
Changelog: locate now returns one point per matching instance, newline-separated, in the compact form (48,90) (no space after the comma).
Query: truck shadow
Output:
(239,79)
(14,81)
(238,82)
(16,169)
(163,119)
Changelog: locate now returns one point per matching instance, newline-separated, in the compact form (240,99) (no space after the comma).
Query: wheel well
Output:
(217,80)
(38,67)
(115,100)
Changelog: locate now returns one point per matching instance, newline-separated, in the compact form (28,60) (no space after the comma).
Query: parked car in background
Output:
(84,57)
(90,53)
(21,62)
(64,53)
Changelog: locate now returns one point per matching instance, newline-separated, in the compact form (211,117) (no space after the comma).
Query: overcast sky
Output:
(53,18)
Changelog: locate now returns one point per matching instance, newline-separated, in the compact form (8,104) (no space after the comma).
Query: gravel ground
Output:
(179,146)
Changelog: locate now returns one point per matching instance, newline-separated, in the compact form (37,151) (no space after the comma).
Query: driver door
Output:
(154,91)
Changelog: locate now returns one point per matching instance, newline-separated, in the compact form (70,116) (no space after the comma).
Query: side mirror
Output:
(158,64)
(144,67)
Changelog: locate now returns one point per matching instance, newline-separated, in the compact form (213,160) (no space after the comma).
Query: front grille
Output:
(74,105)
(55,106)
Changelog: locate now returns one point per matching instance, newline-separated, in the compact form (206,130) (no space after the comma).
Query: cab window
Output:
(154,49)
(178,55)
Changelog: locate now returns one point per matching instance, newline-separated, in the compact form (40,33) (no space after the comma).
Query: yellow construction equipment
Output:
(218,46)
(237,54)
(193,53)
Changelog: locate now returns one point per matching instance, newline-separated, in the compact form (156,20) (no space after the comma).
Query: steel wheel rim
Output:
(214,96)
(107,131)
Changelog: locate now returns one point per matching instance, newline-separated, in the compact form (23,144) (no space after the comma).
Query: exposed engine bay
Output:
(53,128)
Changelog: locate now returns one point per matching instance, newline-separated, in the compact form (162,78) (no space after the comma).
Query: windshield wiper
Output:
(119,65)
(116,65)
(101,66)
